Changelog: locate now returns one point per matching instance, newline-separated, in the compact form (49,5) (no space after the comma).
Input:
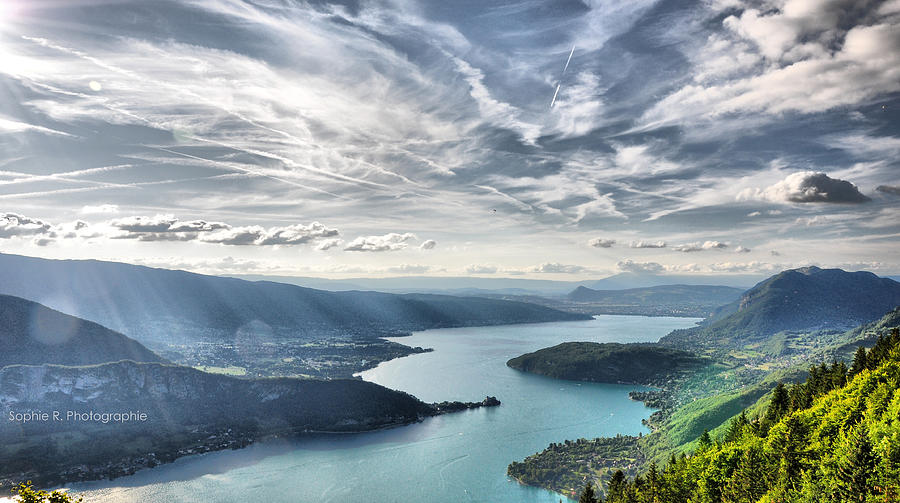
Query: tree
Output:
(27,494)
(615,489)
(860,361)
(587,494)
(855,471)
(749,481)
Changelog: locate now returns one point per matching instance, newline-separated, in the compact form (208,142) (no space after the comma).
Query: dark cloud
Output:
(889,189)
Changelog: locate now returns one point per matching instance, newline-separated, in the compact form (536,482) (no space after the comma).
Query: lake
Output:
(457,457)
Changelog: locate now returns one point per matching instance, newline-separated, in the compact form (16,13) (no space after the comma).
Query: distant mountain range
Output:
(34,334)
(804,299)
(705,296)
(160,305)
(507,286)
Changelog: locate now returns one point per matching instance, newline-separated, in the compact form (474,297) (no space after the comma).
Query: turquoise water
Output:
(452,458)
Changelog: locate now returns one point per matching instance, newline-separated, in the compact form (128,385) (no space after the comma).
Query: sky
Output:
(542,139)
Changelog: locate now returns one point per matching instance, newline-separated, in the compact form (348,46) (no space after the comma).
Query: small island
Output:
(609,362)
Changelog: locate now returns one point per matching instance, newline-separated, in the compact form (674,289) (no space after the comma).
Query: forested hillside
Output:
(834,437)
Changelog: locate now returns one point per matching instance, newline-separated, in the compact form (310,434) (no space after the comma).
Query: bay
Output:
(451,458)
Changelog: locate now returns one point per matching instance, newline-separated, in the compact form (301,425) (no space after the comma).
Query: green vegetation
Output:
(610,362)
(834,437)
(704,400)
(26,493)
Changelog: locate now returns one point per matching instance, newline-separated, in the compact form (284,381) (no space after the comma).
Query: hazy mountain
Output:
(506,286)
(802,299)
(705,295)
(627,280)
(34,334)
(165,305)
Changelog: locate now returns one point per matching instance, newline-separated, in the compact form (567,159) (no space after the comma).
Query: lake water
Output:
(452,458)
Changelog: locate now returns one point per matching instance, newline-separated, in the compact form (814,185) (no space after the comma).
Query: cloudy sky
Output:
(555,139)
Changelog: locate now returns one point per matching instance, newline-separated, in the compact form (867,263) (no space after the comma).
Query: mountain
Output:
(804,299)
(160,305)
(608,362)
(155,413)
(683,296)
(628,280)
(34,334)
(504,286)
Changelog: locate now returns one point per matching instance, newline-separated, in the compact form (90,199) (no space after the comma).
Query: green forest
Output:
(834,437)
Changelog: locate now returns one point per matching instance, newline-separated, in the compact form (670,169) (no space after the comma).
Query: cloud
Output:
(170,228)
(807,187)
(889,189)
(742,249)
(647,244)
(792,56)
(327,244)
(100,209)
(601,243)
(557,268)
(388,242)
(14,224)
(481,269)
(640,267)
(410,269)
(428,244)
(706,245)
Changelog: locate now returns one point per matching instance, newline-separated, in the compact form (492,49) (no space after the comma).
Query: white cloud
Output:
(170,228)
(428,244)
(647,244)
(100,209)
(410,269)
(327,244)
(481,269)
(796,56)
(706,245)
(807,187)
(555,267)
(388,242)
(601,243)
(640,267)
(14,224)
(742,249)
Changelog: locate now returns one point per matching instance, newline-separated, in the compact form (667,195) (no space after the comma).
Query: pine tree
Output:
(587,494)
(616,487)
(749,481)
(860,361)
(855,473)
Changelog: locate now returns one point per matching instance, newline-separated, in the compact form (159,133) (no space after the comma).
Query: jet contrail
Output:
(569,59)
(554,95)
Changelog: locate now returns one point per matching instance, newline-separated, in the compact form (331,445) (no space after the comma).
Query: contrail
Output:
(568,60)
(554,95)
